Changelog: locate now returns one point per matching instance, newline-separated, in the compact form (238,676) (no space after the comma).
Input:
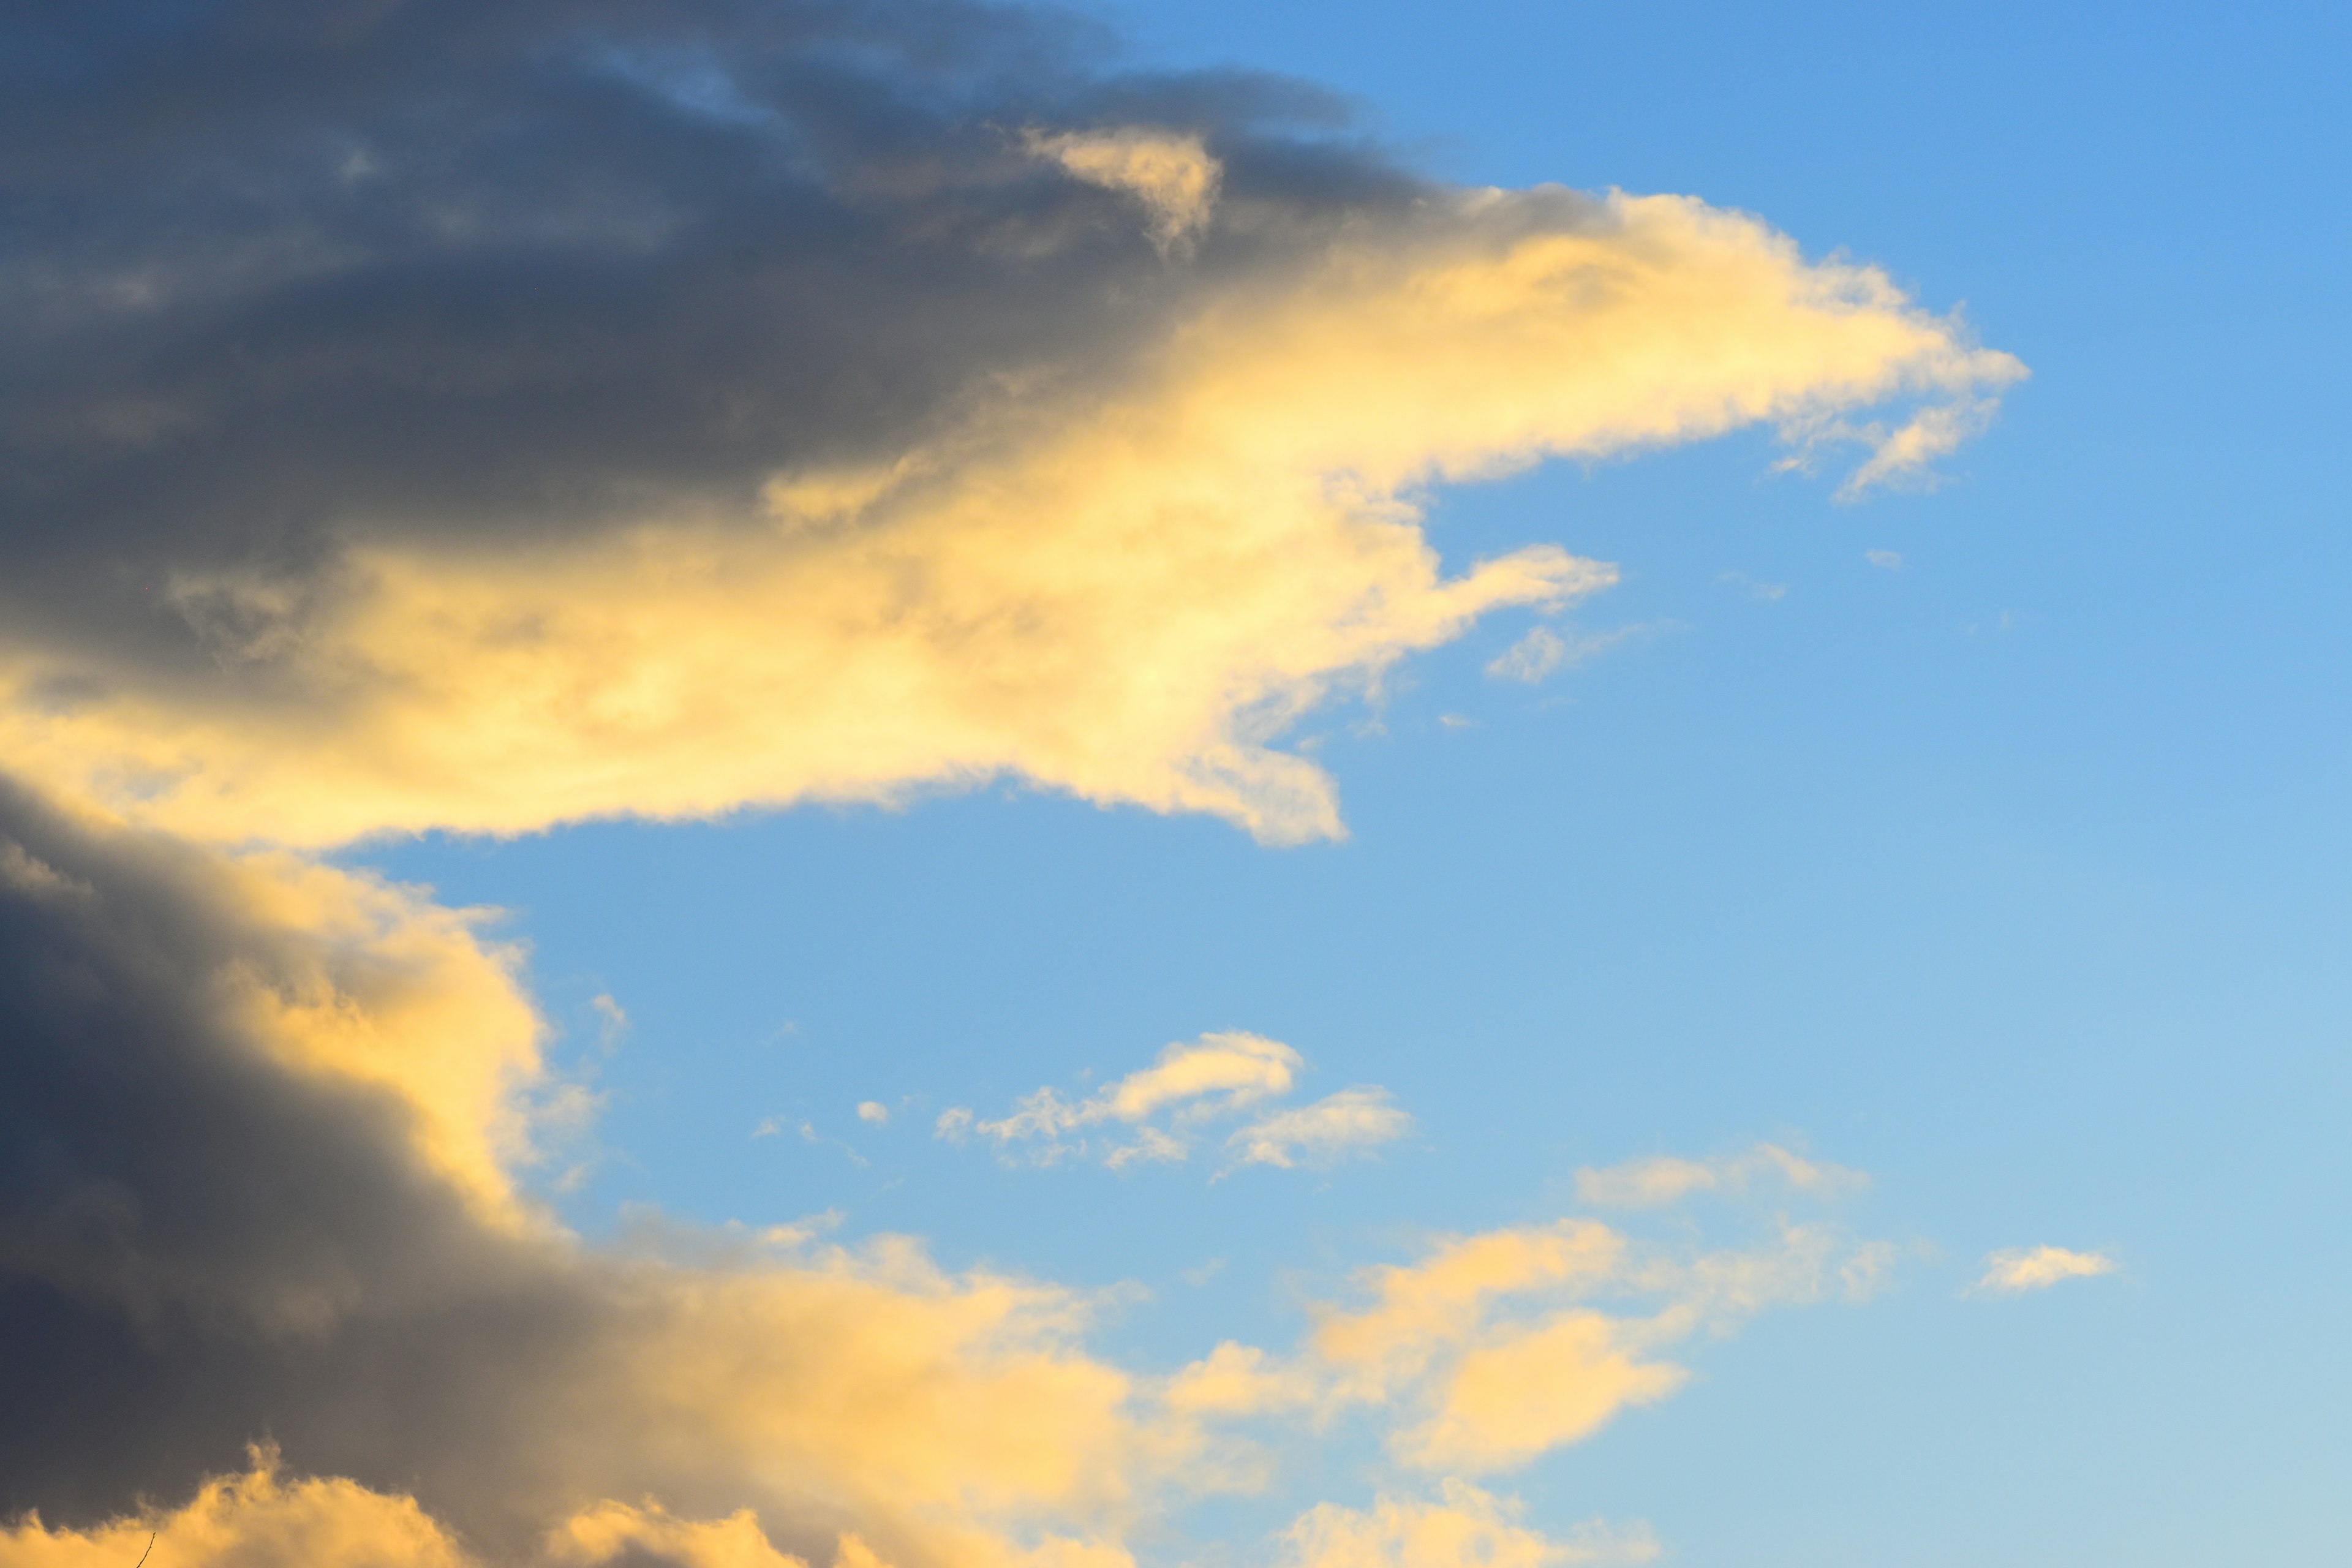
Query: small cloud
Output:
(1171,174)
(1150,1144)
(1867,1273)
(775,1125)
(1544,651)
(1196,1278)
(1457,720)
(1155,1115)
(875,1111)
(1886,560)
(1902,456)
(1769,593)
(1660,1180)
(2022,1268)
(1348,1122)
(613,1021)
(801,1231)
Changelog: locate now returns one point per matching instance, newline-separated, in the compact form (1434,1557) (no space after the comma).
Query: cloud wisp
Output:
(2019,1269)
(1660,1180)
(1156,1114)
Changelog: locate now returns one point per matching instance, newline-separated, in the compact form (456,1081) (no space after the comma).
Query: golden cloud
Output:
(1129,595)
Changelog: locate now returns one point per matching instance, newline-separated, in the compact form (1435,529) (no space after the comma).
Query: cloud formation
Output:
(812,437)
(209,1236)
(2022,1268)
(423,414)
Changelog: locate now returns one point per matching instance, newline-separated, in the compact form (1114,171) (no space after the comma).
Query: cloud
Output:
(1173,175)
(873,1111)
(481,418)
(1496,1348)
(1464,1527)
(1886,560)
(2022,1269)
(221,1236)
(1543,651)
(1769,593)
(1660,1180)
(1220,1076)
(1222,1073)
(1320,1134)
(255,1519)
(810,436)
(232,1217)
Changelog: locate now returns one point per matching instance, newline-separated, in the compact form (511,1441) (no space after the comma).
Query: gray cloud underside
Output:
(274,277)
(199,1249)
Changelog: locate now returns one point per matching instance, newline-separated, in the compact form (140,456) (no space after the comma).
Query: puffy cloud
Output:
(1664,1179)
(257,1521)
(1464,1527)
(208,1235)
(1492,1350)
(2022,1268)
(221,1219)
(1520,1391)
(1115,553)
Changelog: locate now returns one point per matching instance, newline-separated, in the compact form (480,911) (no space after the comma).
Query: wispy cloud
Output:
(1769,593)
(1660,1180)
(1545,651)
(2022,1268)
(1884,560)
(1164,1108)
(1322,1133)
(1171,173)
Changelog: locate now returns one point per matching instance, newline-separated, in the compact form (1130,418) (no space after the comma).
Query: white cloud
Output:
(1544,651)
(1769,593)
(1660,1180)
(873,1110)
(1320,1134)
(1221,1076)
(2022,1268)
(1886,560)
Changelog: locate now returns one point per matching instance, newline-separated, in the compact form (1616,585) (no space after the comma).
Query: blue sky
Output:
(1974,849)
(2011,874)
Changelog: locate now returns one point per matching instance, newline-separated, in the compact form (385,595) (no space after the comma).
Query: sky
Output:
(1296,787)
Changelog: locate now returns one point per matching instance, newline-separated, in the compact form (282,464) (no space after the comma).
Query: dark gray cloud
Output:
(204,1247)
(199,1248)
(280,275)
(276,275)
